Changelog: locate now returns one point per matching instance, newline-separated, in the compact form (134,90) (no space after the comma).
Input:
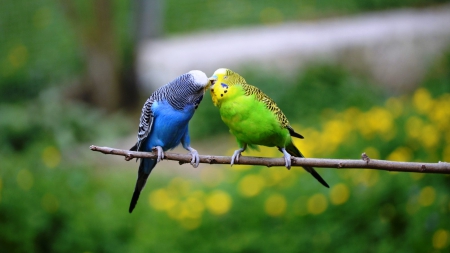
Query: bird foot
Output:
(287,158)
(195,157)
(236,155)
(160,153)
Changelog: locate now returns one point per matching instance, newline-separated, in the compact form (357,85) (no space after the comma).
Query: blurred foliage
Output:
(49,119)
(215,14)
(438,79)
(37,49)
(40,48)
(55,199)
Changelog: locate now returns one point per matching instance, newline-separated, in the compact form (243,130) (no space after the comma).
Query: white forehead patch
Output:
(220,71)
(199,77)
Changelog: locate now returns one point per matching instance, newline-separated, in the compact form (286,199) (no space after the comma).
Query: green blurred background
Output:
(68,80)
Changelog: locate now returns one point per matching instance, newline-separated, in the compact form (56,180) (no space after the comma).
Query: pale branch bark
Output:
(364,163)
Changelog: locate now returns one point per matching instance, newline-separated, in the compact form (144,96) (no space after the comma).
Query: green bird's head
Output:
(223,85)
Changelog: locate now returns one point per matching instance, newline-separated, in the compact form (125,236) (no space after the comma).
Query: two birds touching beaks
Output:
(252,117)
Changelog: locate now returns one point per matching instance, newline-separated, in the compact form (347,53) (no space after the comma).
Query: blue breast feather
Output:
(169,125)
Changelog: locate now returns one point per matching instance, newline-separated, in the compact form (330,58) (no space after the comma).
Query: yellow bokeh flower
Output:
(383,122)
(366,177)
(278,177)
(401,154)
(351,114)
(427,196)
(25,179)
(369,177)
(178,187)
(440,239)
(312,144)
(440,114)
(430,136)
(377,120)
(190,223)
(317,204)
(178,211)
(218,202)
(51,157)
(372,152)
(422,100)
(187,212)
(334,133)
(275,205)
(339,194)
(446,153)
(414,127)
(194,207)
(18,56)
(395,106)
(162,200)
(251,185)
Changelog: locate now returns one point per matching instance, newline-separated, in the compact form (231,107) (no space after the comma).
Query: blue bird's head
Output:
(199,79)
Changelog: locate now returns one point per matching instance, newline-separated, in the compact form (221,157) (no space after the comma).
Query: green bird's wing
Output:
(271,106)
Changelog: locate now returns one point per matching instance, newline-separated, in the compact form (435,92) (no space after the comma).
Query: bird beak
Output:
(212,80)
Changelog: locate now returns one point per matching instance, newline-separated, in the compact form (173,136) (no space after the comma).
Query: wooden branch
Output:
(364,163)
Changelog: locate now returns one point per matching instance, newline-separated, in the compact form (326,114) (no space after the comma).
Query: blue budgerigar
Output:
(164,122)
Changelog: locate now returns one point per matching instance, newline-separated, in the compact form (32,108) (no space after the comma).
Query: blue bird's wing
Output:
(146,165)
(145,123)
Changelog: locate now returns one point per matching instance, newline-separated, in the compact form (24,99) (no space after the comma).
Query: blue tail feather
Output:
(145,168)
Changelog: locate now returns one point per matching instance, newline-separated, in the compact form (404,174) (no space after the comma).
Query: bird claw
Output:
(160,153)
(287,159)
(195,157)
(235,157)
(288,162)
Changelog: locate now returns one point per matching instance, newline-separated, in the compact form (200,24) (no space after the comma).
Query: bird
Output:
(254,118)
(164,122)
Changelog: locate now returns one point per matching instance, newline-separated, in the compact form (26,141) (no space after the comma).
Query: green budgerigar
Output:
(253,117)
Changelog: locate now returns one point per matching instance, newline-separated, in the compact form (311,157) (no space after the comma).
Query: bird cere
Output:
(252,117)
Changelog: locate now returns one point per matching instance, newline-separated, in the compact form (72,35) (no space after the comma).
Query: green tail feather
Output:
(292,150)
